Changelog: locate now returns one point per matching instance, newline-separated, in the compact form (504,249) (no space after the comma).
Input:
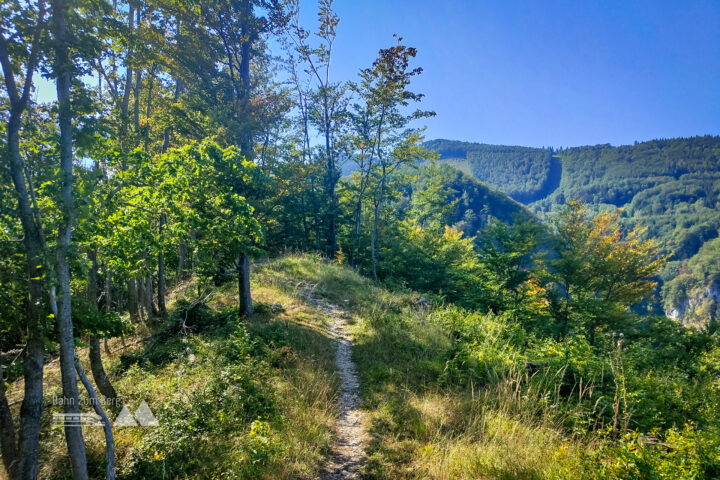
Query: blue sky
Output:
(545,72)
(550,72)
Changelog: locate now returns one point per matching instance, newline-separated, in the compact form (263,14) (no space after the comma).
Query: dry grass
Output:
(304,390)
(421,424)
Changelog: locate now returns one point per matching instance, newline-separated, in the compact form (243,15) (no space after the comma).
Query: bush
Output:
(685,454)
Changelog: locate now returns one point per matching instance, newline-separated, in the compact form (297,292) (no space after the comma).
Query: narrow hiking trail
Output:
(348,451)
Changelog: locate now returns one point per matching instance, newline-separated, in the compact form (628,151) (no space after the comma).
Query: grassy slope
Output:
(250,400)
(424,422)
(257,399)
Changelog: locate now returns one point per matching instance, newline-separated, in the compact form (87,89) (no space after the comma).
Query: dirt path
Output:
(348,451)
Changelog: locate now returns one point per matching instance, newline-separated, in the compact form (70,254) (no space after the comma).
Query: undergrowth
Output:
(234,398)
(448,392)
(457,394)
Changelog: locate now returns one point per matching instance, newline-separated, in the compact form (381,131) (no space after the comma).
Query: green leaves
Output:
(191,195)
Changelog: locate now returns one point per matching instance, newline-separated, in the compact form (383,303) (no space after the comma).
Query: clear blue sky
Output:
(545,72)
(549,72)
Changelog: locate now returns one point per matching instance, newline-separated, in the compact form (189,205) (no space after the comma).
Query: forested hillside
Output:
(526,174)
(670,187)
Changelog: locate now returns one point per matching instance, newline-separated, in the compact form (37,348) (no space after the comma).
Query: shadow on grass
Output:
(272,339)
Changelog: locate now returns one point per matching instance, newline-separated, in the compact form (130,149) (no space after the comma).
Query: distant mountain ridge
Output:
(526,174)
(670,186)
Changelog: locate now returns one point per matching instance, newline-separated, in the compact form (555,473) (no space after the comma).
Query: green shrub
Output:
(687,453)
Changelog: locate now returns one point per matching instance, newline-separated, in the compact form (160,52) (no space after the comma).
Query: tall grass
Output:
(238,400)
(447,392)
(429,418)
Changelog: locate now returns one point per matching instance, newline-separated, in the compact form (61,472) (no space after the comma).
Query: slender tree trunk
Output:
(358,231)
(136,100)
(140,286)
(330,185)
(375,241)
(63,67)
(133,300)
(33,365)
(22,460)
(161,270)
(125,103)
(8,445)
(162,310)
(190,261)
(244,297)
(148,111)
(149,305)
(305,226)
(374,245)
(95,356)
(92,280)
(109,439)
(245,306)
(108,291)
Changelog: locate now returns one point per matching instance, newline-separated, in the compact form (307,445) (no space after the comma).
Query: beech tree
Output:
(384,89)
(324,105)
(201,185)
(22,47)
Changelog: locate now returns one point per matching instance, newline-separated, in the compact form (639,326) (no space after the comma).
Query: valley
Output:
(671,188)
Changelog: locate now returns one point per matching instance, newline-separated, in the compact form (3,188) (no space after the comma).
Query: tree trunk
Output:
(33,365)
(375,241)
(31,409)
(62,68)
(133,301)
(148,111)
(136,100)
(140,288)
(95,356)
(330,186)
(161,286)
(101,379)
(108,291)
(149,305)
(245,300)
(125,103)
(8,445)
(182,256)
(161,272)
(358,231)
(109,440)
(190,260)
(92,281)
(374,246)
(246,148)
